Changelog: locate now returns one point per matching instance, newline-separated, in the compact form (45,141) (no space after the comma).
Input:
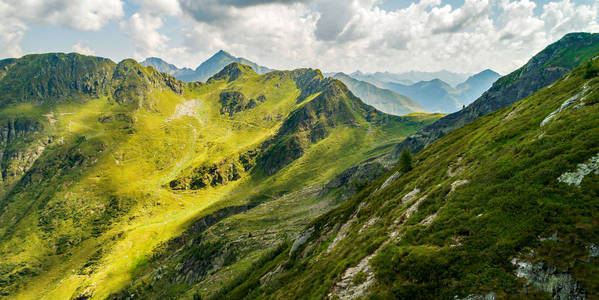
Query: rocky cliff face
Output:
(542,70)
(21,144)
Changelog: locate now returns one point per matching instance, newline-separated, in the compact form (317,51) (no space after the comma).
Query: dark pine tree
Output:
(405,161)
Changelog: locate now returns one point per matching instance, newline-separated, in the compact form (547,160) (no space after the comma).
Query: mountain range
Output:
(383,99)
(205,70)
(411,77)
(381,90)
(438,96)
(541,70)
(121,181)
(502,208)
(103,164)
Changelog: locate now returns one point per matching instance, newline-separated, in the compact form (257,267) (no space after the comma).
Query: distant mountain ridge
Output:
(411,77)
(205,70)
(437,95)
(162,66)
(383,99)
(540,71)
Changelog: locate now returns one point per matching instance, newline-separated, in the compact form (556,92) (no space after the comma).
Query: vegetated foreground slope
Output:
(543,69)
(504,207)
(103,163)
(384,100)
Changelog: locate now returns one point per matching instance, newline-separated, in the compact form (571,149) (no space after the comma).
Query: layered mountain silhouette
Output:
(383,99)
(205,70)
(540,71)
(411,77)
(438,96)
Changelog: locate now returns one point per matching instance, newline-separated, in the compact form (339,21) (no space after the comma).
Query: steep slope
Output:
(106,165)
(504,207)
(305,169)
(162,66)
(435,95)
(542,70)
(384,100)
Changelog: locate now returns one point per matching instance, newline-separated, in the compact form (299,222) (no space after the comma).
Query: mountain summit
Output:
(206,69)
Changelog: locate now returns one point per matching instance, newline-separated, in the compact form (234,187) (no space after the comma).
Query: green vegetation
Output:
(108,169)
(475,200)
(590,70)
(405,161)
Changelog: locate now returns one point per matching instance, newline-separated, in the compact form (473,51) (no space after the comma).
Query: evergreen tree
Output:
(405,161)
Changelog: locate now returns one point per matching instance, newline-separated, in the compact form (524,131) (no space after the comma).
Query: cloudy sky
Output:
(333,35)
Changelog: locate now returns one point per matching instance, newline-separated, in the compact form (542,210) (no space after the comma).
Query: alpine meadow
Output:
(306,149)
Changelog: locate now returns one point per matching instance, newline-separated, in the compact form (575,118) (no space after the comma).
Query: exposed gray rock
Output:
(300,240)
(388,181)
(576,177)
(564,105)
(411,195)
(429,220)
(489,296)
(562,286)
(593,251)
(458,183)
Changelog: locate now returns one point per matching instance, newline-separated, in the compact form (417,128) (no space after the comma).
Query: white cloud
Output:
(165,7)
(82,49)
(329,34)
(81,14)
(77,14)
(565,16)
(357,34)
(142,30)
(12,30)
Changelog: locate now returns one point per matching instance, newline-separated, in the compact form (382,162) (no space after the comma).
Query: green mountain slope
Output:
(543,69)
(385,100)
(108,167)
(502,208)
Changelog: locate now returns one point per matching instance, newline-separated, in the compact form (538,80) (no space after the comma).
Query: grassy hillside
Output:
(101,183)
(504,207)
